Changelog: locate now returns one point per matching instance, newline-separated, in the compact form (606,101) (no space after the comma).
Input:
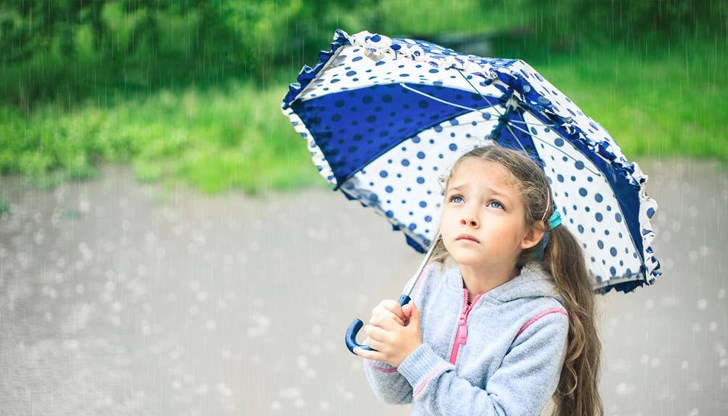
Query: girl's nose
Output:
(469,221)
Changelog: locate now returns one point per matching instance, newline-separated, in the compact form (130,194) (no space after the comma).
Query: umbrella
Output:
(385,117)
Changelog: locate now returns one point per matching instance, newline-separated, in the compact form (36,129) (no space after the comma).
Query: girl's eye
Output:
(495,204)
(456,199)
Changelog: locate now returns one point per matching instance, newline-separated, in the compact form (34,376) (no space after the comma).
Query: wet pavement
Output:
(120,298)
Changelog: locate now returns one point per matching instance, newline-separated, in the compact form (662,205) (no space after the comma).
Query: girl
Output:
(502,319)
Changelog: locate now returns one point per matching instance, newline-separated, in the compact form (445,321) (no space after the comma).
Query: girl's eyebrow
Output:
(491,190)
(494,192)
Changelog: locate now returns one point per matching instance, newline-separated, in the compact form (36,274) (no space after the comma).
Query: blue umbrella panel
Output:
(386,118)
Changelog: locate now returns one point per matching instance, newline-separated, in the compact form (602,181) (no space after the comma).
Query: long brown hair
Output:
(577,393)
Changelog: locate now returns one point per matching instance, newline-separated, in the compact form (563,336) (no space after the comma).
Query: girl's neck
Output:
(478,281)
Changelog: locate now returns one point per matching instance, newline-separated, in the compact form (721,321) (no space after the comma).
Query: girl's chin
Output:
(468,260)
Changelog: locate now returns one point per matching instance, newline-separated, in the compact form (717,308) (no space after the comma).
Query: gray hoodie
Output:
(499,355)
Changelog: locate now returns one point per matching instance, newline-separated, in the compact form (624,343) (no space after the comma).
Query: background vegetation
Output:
(189,90)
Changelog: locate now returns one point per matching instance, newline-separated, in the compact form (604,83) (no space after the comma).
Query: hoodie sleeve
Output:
(522,385)
(388,384)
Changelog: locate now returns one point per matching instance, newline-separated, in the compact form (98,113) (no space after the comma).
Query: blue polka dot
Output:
(420,180)
(420,155)
(600,244)
(598,197)
(599,217)
(613,252)
(559,178)
(582,191)
(423,204)
(612,271)
(405,162)
(650,212)
(453,147)
(579,164)
(559,142)
(389,189)
(389,214)
(383,174)
(581,228)
(428,218)
(618,217)
(412,226)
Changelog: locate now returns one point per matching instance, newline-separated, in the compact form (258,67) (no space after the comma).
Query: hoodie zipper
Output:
(461,336)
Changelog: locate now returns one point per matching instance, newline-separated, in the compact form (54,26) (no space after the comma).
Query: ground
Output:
(120,298)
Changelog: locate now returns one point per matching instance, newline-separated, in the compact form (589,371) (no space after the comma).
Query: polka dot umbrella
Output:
(385,118)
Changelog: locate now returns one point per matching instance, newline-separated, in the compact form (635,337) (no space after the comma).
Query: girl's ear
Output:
(533,236)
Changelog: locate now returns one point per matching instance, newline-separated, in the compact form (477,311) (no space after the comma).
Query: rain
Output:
(167,246)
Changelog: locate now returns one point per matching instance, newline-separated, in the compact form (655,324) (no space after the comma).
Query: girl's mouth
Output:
(467,237)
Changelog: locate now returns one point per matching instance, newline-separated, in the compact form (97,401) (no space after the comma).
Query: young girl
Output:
(502,319)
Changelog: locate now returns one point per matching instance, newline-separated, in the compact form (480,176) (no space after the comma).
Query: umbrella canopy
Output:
(386,118)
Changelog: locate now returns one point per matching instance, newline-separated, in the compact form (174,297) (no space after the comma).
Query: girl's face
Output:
(482,222)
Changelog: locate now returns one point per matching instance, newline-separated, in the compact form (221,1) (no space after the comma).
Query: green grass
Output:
(214,140)
(661,103)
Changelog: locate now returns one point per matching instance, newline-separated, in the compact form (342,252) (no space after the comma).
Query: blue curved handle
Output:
(357,324)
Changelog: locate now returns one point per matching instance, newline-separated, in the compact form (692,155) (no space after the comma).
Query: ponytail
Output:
(577,393)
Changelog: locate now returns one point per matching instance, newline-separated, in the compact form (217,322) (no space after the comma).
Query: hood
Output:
(532,282)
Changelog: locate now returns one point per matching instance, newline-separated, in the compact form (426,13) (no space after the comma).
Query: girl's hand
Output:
(388,334)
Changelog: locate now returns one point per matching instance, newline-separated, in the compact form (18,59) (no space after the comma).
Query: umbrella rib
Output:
(548,144)
(475,89)
(440,100)
(508,126)
(530,124)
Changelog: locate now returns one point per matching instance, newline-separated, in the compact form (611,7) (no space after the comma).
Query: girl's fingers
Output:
(394,307)
(381,315)
(376,333)
(369,355)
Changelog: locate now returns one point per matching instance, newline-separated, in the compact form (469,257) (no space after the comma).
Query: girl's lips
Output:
(467,237)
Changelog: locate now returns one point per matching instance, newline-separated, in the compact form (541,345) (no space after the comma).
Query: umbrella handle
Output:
(357,324)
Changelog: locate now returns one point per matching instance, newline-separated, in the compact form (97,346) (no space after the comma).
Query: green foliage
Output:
(189,90)
(566,24)
(658,103)
(213,139)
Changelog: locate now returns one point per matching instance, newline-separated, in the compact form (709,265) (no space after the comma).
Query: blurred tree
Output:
(143,43)
(626,20)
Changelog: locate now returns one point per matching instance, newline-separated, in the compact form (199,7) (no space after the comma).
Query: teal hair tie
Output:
(555,220)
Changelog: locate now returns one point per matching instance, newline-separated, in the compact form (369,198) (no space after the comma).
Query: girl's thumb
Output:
(414,313)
